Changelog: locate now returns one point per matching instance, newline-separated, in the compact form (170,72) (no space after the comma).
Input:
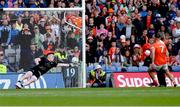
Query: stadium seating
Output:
(89,68)
(143,69)
(132,69)
(111,69)
(176,68)
(118,69)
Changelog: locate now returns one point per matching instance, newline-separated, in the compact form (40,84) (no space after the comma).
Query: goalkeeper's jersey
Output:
(44,65)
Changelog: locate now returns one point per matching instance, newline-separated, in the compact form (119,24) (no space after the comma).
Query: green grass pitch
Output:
(92,97)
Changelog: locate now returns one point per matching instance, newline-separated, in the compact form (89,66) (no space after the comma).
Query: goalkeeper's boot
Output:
(19,85)
(175,85)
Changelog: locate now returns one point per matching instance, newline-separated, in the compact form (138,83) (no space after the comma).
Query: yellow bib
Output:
(3,69)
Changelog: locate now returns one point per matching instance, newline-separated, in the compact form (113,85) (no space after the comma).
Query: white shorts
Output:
(163,67)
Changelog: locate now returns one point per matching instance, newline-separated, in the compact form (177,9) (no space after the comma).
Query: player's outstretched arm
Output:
(63,64)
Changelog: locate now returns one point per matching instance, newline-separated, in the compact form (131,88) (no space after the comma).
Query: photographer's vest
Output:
(93,73)
(4,35)
(3,69)
(60,55)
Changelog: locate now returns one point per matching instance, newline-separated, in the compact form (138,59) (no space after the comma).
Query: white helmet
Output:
(98,67)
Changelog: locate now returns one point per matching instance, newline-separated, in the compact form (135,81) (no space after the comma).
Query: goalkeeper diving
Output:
(43,65)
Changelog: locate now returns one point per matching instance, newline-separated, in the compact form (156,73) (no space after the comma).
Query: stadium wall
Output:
(49,80)
(138,79)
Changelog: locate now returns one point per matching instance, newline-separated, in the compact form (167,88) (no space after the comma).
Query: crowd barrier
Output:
(140,79)
(49,80)
(117,68)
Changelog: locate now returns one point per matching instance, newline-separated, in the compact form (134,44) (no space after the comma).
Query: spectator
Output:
(173,61)
(123,46)
(38,38)
(105,59)
(42,29)
(128,29)
(89,55)
(170,49)
(143,39)
(108,40)
(19,24)
(112,50)
(32,54)
(97,77)
(136,57)
(55,26)
(3,3)
(25,42)
(178,58)
(5,33)
(14,34)
(21,4)
(48,36)
(92,43)
(117,57)
(176,31)
(99,51)
(77,52)
(71,40)
(127,59)
(102,30)
(48,44)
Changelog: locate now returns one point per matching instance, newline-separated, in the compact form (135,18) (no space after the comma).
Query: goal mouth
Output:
(77,25)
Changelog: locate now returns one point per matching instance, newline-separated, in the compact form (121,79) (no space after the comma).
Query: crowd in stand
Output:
(120,31)
(26,35)
(40,3)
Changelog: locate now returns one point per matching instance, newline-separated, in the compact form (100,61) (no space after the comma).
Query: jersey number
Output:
(162,49)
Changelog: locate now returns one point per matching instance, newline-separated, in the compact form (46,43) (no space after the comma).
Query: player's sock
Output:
(19,81)
(25,83)
(18,85)
(155,82)
(175,85)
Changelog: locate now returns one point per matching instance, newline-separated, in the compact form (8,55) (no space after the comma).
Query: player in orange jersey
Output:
(159,58)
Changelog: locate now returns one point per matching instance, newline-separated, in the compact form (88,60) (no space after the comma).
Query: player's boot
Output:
(175,85)
(154,83)
(18,85)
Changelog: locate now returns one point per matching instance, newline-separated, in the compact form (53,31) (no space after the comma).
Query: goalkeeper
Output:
(43,65)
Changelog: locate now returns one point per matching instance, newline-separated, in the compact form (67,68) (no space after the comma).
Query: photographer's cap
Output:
(98,67)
